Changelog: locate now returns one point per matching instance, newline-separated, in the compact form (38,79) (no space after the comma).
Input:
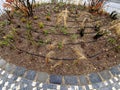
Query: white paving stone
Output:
(105,82)
(58,87)
(1,81)
(25,85)
(83,87)
(18,87)
(41,85)
(90,86)
(76,88)
(10,76)
(12,85)
(111,81)
(4,88)
(69,88)
(18,79)
(3,72)
(6,83)
(116,79)
(34,88)
(119,83)
(34,83)
(113,88)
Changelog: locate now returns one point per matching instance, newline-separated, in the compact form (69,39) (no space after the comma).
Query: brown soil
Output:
(32,46)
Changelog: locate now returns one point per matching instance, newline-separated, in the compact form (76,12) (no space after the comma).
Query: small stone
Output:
(19,71)
(94,78)
(42,77)
(30,75)
(71,80)
(55,79)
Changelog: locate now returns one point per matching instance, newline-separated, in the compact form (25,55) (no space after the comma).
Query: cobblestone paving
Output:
(19,78)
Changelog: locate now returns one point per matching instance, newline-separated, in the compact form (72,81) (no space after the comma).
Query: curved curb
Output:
(93,81)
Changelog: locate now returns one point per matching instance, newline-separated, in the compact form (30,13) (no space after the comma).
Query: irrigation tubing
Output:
(102,52)
(41,55)
(91,41)
(92,56)
(67,34)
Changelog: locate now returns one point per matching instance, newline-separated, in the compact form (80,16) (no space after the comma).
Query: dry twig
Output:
(63,16)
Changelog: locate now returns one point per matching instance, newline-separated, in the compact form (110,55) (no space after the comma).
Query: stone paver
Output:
(71,80)
(2,62)
(55,79)
(94,78)
(83,80)
(115,70)
(19,71)
(105,74)
(9,67)
(23,79)
(42,77)
(30,75)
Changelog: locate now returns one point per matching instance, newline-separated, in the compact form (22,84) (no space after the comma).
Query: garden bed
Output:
(40,44)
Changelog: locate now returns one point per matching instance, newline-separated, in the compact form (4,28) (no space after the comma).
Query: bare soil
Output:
(56,49)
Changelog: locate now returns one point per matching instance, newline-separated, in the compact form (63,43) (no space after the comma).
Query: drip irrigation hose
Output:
(42,56)
(102,52)
(92,56)
(91,41)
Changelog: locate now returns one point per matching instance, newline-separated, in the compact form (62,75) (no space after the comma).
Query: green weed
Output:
(45,32)
(23,19)
(41,25)
(28,26)
(64,30)
(112,40)
(35,17)
(74,36)
(60,45)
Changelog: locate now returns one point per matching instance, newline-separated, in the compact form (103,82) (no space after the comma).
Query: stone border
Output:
(93,81)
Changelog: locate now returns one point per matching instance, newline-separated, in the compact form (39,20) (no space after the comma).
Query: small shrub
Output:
(45,32)
(74,36)
(2,23)
(35,17)
(28,26)
(97,27)
(48,18)
(7,39)
(41,25)
(23,19)
(47,41)
(4,43)
(112,40)
(56,9)
(24,5)
(100,34)
(64,30)
(95,6)
(53,30)
(60,45)
(40,42)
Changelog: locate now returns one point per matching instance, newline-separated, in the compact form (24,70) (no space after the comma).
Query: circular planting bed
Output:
(63,39)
